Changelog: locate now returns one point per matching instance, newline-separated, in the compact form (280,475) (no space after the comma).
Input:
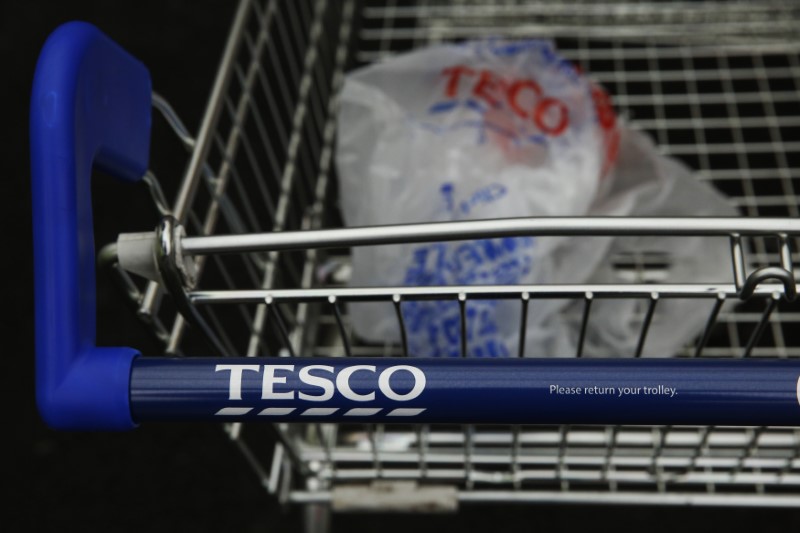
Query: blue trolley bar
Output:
(508,391)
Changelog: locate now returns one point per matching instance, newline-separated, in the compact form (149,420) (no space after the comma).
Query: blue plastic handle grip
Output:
(90,107)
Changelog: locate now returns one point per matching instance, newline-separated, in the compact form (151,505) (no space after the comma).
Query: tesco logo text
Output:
(323,381)
(524,97)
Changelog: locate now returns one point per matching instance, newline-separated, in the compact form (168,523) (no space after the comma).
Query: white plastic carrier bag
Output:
(496,129)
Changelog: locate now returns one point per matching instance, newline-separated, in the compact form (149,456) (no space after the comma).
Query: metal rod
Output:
(422,445)
(275,469)
(658,451)
(376,461)
(607,466)
(737,256)
(701,445)
(651,308)
(215,103)
(397,300)
(326,446)
(492,292)
(174,121)
(598,497)
(762,324)
(748,450)
(712,320)
(790,461)
(469,431)
(601,11)
(156,193)
(563,443)
(291,448)
(523,323)
(515,448)
(487,229)
(175,279)
(786,253)
(279,322)
(462,312)
(340,322)
(587,306)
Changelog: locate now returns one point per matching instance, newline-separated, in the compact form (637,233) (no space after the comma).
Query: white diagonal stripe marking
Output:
(277,411)
(233,411)
(363,411)
(405,412)
(319,411)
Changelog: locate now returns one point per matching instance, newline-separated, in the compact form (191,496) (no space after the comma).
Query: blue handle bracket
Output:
(90,107)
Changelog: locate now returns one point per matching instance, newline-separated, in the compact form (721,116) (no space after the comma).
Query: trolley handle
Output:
(90,107)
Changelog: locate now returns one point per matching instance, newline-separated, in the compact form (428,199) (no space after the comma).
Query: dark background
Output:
(188,476)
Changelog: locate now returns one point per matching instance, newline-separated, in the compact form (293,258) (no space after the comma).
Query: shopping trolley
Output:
(249,264)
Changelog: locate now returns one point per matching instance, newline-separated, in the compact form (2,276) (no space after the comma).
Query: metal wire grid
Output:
(256,162)
(262,161)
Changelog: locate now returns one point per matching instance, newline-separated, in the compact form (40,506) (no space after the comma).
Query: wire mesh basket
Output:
(716,84)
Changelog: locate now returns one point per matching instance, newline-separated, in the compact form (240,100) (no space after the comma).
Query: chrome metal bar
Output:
(296,458)
(326,446)
(365,294)
(750,449)
(275,469)
(280,324)
(462,312)
(599,497)
(701,446)
(373,444)
(469,437)
(422,447)
(619,32)
(659,444)
(515,451)
(174,121)
(157,193)
(737,256)
(587,307)
(340,322)
(397,301)
(712,320)
(523,322)
(563,442)
(648,318)
(488,229)
(675,50)
(772,303)
(607,463)
(793,459)
(671,12)
(716,460)
(786,253)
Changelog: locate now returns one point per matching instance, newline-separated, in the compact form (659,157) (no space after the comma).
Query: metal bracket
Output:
(177,273)
(781,274)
